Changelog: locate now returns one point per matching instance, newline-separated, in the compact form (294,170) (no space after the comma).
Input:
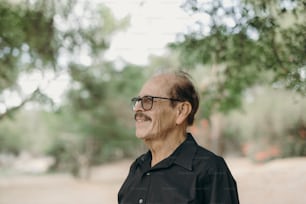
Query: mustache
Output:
(140,115)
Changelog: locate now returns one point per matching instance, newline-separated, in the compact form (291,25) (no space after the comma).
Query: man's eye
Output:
(146,99)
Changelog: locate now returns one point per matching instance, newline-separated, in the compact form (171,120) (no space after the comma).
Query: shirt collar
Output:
(182,156)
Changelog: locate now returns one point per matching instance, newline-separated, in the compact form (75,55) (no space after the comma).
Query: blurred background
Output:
(69,68)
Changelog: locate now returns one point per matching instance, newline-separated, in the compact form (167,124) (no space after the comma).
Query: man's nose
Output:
(137,106)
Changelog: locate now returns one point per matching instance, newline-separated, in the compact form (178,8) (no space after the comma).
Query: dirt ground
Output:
(277,182)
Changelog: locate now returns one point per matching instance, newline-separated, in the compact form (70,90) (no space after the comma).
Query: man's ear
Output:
(183,110)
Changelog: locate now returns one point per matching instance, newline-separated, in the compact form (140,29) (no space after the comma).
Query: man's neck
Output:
(163,147)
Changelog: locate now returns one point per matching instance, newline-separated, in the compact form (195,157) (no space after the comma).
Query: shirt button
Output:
(148,174)
(140,201)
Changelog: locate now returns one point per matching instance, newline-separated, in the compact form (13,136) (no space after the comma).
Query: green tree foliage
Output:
(27,42)
(46,36)
(95,110)
(96,116)
(71,37)
(243,43)
(26,38)
(97,105)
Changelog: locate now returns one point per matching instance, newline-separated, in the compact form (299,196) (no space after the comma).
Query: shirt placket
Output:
(147,183)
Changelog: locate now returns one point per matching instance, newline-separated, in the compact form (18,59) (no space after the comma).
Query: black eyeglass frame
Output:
(134,100)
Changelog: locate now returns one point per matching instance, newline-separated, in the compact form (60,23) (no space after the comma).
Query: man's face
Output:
(160,120)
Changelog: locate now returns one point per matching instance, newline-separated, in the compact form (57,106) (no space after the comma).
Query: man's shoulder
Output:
(201,156)
(205,153)
(206,158)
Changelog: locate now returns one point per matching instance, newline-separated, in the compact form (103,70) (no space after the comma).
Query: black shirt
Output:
(191,175)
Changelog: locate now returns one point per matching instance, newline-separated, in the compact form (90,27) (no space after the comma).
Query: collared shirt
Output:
(191,175)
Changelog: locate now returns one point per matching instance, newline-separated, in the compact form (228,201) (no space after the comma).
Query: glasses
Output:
(147,101)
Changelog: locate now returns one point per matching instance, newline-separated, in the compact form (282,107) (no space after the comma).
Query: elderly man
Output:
(175,170)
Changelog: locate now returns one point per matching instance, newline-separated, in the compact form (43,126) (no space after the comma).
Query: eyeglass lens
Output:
(146,102)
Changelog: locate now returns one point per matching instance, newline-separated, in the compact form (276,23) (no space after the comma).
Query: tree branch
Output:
(12,110)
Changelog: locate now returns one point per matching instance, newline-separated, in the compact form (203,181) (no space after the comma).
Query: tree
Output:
(244,43)
(235,45)
(99,116)
(44,37)
(71,37)
(27,42)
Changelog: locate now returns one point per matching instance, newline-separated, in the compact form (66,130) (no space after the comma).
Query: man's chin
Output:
(141,135)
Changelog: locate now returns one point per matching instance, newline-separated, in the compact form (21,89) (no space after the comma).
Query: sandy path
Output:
(277,182)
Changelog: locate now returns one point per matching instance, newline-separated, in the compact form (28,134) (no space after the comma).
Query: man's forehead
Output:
(164,79)
(157,85)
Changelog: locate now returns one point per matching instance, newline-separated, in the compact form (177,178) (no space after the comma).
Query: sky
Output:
(154,23)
